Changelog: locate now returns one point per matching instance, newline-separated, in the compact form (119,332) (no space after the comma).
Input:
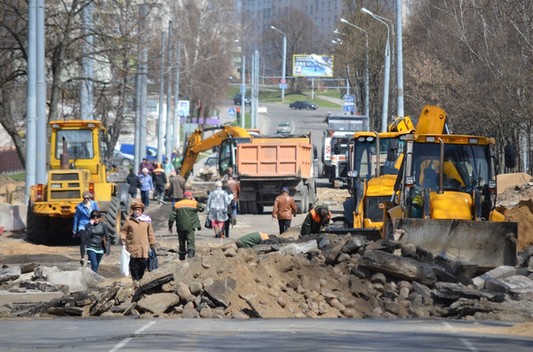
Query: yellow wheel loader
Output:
(446,196)
(75,166)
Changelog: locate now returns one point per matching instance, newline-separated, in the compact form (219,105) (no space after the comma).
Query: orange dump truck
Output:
(262,164)
(267,164)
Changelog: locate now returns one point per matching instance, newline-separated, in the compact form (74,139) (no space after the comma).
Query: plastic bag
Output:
(207,224)
(124,261)
(152,262)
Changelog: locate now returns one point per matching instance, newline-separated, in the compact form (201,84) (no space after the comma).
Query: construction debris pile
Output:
(327,276)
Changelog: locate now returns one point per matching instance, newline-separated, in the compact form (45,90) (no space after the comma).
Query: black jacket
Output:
(133,181)
(93,237)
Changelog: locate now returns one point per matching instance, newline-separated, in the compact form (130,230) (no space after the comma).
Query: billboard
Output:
(312,65)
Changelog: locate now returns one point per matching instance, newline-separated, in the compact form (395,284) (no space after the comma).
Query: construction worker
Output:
(315,219)
(185,214)
(257,238)
(284,210)
(160,181)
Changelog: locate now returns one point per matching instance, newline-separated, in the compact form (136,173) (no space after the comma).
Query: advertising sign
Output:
(312,65)
(183,109)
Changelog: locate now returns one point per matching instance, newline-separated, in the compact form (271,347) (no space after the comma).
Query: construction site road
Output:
(247,335)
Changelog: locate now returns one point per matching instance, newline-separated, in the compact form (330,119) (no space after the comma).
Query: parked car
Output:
(301,104)
(237,99)
(122,159)
(285,128)
(151,152)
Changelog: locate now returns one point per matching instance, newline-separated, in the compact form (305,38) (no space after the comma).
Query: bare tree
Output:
(302,38)
(475,59)
(207,41)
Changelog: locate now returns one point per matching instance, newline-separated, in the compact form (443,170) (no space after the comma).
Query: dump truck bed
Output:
(291,160)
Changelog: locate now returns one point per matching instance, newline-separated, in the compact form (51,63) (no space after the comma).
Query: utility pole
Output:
(399,54)
(161,97)
(169,130)
(31,101)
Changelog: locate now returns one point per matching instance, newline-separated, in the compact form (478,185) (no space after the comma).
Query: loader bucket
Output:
(487,244)
(370,234)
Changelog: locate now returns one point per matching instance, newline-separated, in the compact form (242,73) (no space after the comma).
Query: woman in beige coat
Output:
(139,237)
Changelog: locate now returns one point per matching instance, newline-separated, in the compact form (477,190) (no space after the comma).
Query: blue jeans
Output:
(145,198)
(94,258)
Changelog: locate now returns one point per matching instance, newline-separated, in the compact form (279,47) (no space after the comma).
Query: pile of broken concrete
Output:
(326,276)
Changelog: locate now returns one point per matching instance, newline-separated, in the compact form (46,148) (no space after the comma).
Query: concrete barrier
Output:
(13,217)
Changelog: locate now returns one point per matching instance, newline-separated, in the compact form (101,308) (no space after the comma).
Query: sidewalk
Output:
(330,99)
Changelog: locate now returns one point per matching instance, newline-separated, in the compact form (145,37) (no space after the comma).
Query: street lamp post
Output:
(385,111)
(283,64)
(367,83)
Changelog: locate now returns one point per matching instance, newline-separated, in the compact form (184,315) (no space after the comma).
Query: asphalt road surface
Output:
(247,335)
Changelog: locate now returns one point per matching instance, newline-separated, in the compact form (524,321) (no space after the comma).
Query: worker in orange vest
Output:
(185,214)
(315,219)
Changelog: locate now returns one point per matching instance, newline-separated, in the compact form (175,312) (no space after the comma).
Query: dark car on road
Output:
(301,104)
(237,99)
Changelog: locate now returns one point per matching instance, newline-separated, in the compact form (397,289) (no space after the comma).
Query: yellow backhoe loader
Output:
(446,196)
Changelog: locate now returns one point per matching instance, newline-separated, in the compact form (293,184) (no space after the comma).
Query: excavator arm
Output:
(197,144)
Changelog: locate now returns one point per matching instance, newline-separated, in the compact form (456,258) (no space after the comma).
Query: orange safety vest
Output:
(316,217)
(186,203)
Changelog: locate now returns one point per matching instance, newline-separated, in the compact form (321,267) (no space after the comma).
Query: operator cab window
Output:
(79,144)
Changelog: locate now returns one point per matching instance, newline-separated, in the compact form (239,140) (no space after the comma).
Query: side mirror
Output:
(337,149)
(510,156)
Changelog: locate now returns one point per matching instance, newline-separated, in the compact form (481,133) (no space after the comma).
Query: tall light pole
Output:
(385,109)
(399,56)
(367,83)
(283,81)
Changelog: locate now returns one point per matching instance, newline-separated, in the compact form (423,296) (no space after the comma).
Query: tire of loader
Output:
(36,227)
(114,219)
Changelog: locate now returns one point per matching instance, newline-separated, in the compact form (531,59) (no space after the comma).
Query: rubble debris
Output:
(337,276)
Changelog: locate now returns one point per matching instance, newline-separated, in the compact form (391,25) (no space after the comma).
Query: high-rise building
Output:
(324,13)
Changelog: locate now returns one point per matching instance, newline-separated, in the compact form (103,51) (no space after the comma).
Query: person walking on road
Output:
(235,187)
(315,219)
(177,187)
(217,208)
(82,216)
(96,241)
(133,180)
(160,181)
(185,214)
(231,205)
(284,210)
(147,185)
(139,237)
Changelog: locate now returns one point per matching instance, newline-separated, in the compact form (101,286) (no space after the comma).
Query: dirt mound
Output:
(515,194)
(505,181)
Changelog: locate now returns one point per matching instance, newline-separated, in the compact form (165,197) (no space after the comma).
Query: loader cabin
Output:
(365,148)
(81,143)
(439,163)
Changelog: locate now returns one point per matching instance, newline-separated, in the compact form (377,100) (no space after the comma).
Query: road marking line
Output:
(124,342)
(465,342)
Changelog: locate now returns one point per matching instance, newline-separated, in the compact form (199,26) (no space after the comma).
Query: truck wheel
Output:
(312,196)
(36,227)
(243,208)
(305,200)
(114,219)
(252,208)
